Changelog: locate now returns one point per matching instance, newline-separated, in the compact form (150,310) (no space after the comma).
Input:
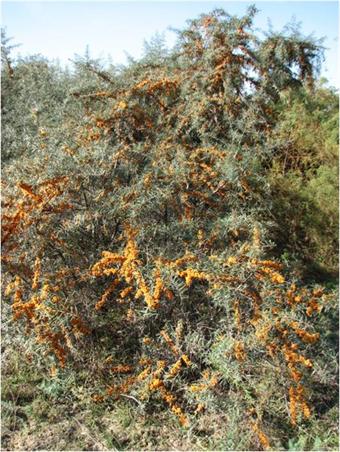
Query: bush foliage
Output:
(159,221)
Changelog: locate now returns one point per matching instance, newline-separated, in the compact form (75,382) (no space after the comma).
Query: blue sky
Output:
(59,29)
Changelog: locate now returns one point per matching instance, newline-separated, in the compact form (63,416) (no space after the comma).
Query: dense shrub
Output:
(138,228)
(304,178)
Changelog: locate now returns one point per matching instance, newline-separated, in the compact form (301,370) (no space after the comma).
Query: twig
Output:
(87,433)
(133,398)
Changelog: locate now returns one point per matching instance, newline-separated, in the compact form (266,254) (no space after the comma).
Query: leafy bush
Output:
(304,179)
(137,235)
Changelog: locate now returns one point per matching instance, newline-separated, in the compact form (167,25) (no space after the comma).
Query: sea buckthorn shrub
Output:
(138,244)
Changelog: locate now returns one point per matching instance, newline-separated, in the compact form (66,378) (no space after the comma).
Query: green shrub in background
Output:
(142,222)
(304,179)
